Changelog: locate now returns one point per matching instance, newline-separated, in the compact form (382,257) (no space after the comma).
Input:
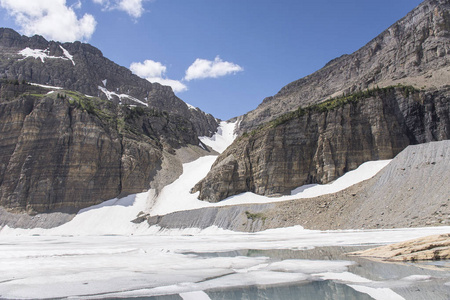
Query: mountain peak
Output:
(413,51)
(83,68)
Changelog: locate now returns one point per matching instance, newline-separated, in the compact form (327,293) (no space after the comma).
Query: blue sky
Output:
(237,51)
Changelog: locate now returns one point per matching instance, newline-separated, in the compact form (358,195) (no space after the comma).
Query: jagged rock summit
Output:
(413,51)
(83,68)
(369,105)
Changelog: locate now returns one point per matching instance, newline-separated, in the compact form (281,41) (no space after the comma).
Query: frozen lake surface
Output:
(102,254)
(215,264)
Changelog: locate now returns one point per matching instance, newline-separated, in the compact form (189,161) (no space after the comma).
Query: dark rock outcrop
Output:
(320,143)
(414,51)
(66,151)
(83,68)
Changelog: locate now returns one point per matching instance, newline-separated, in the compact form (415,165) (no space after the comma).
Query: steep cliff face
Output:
(319,143)
(298,136)
(83,68)
(414,51)
(65,151)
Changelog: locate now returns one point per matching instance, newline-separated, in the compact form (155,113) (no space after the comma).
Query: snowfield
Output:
(177,196)
(43,54)
(223,138)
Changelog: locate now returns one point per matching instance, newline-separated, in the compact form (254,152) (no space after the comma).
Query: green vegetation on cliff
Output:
(335,103)
(338,102)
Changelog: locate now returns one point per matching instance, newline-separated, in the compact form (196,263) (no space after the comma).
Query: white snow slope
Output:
(114,216)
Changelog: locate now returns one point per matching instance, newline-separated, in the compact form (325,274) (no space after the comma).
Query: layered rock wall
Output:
(65,151)
(319,144)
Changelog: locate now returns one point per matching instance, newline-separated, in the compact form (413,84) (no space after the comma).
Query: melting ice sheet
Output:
(180,262)
(101,254)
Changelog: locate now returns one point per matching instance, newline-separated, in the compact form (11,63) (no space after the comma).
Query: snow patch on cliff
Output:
(47,86)
(44,54)
(223,138)
(110,96)
(67,55)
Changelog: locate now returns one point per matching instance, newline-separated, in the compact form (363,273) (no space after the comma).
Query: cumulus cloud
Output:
(148,68)
(203,68)
(176,85)
(52,19)
(134,8)
(154,71)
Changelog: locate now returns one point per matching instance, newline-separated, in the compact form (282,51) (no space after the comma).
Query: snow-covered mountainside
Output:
(115,216)
(86,130)
(101,254)
(109,250)
(101,173)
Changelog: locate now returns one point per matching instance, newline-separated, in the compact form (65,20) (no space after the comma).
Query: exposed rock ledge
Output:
(434,247)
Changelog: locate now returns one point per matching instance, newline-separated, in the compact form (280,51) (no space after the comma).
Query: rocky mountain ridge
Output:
(325,124)
(413,51)
(77,129)
(65,149)
(83,68)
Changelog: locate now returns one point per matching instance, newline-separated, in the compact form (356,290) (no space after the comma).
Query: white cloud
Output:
(176,85)
(77,5)
(149,68)
(203,68)
(134,8)
(52,19)
(154,71)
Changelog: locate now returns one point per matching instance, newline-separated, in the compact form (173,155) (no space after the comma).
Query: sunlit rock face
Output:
(413,51)
(434,247)
(320,144)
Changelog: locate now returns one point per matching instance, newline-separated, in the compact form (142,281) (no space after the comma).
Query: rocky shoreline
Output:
(434,247)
